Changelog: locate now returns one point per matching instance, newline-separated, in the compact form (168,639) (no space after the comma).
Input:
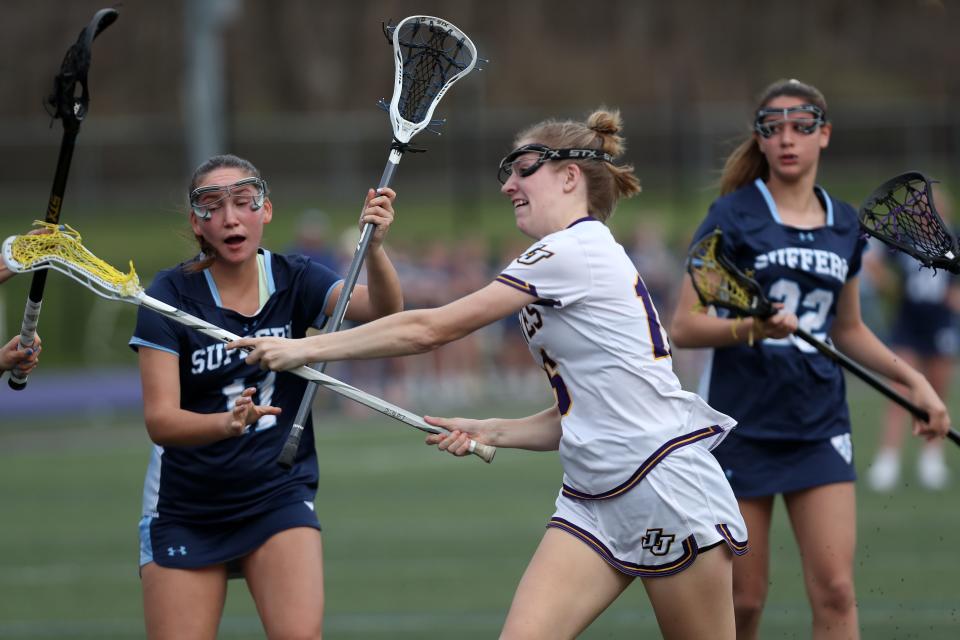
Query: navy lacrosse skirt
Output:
(181,545)
(757,468)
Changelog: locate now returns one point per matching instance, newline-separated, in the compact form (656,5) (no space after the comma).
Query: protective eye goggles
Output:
(812,117)
(545,154)
(249,191)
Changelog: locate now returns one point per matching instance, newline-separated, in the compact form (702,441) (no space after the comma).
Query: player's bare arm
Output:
(538,432)
(855,339)
(382,295)
(409,332)
(692,327)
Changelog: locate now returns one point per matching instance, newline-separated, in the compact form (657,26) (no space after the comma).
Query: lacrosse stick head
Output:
(430,54)
(719,283)
(60,249)
(901,214)
(66,102)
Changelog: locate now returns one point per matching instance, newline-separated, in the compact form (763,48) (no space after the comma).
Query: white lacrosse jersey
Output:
(595,332)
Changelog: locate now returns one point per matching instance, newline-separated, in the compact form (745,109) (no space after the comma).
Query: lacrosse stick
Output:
(901,214)
(719,283)
(430,55)
(61,250)
(66,104)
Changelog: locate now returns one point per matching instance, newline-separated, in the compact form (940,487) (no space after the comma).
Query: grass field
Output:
(418,545)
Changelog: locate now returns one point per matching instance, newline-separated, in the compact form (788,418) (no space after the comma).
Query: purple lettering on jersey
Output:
(556,381)
(660,348)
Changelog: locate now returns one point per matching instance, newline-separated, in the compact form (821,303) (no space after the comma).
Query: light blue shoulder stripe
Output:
(768,197)
(772,206)
(268,267)
(138,342)
(317,322)
(826,198)
(213,287)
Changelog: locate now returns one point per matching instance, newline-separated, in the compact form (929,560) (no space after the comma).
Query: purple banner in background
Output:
(77,391)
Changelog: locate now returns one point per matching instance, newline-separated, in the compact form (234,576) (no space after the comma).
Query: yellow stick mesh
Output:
(62,244)
(714,283)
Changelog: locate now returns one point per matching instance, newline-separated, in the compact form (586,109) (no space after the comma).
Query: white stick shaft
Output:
(486,452)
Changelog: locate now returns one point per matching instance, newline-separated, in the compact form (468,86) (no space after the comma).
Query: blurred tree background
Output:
(293,85)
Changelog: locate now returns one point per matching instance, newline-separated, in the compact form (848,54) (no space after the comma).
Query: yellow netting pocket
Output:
(712,280)
(61,245)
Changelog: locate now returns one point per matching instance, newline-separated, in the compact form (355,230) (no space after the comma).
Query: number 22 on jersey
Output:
(811,310)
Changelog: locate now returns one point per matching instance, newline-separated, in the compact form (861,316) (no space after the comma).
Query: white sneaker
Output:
(932,471)
(883,474)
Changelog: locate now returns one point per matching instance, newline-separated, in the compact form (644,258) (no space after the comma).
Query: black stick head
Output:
(100,21)
(64,102)
(901,214)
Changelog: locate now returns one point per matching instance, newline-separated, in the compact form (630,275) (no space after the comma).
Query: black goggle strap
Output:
(201,209)
(765,127)
(547,154)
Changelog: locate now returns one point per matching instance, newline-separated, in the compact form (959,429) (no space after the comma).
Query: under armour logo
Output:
(172,551)
(806,236)
(656,542)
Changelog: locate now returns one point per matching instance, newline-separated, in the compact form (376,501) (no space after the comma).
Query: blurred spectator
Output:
(460,363)
(656,263)
(312,239)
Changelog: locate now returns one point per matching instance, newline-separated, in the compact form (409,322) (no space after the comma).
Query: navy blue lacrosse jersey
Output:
(784,388)
(237,477)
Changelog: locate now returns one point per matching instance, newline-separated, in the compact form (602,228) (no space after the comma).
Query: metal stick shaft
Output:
(292,444)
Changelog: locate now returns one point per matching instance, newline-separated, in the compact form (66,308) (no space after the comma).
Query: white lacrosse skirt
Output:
(682,506)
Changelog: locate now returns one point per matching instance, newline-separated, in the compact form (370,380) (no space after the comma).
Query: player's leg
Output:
(183,604)
(751,571)
(824,522)
(285,578)
(551,602)
(698,601)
